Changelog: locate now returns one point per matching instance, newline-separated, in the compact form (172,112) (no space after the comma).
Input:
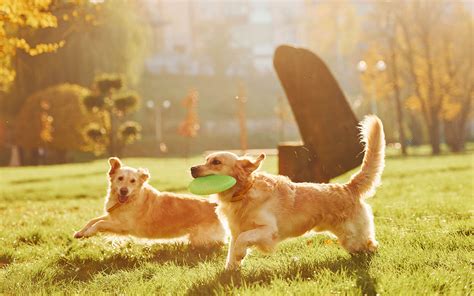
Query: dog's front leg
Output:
(80,233)
(265,237)
(104,226)
(229,264)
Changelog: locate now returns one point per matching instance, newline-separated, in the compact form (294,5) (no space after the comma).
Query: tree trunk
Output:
(434,133)
(112,133)
(186,148)
(396,97)
(61,156)
(415,128)
(119,148)
(455,133)
(34,157)
(401,130)
(15,156)
(455,130)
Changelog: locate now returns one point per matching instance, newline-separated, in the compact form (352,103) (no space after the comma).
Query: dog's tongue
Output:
(122,198)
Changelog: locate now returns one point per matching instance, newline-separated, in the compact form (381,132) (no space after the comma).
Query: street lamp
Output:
(165,106)
(158,111)
(362,66)
(380,66)
(150,104)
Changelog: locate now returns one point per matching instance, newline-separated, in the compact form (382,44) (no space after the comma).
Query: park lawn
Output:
(423,216)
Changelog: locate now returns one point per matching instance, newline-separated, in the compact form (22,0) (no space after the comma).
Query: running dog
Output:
(262,209)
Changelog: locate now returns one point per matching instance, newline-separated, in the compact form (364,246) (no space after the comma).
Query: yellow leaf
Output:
(413,103)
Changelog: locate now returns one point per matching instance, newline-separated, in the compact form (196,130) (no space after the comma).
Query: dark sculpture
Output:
(326,122)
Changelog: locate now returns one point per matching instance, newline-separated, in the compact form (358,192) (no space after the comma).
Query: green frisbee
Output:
(211,184)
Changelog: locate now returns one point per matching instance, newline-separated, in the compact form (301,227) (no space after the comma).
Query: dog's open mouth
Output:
(122,198)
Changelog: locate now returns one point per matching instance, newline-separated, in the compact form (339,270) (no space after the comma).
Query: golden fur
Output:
(145,212)
(275,208)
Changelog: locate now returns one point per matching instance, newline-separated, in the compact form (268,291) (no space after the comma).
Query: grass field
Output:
(423,216)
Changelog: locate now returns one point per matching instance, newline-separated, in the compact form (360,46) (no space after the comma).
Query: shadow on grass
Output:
(84,269)
(5,260)
(465,232)
(357,266)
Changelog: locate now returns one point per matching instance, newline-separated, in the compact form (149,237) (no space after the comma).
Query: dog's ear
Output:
(251,165)
(115,164)
(144,174)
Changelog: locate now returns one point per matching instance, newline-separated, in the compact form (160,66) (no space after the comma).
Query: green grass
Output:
(423,215)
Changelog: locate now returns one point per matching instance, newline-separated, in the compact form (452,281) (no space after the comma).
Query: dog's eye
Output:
(120,178)
(132,181)
(216,162)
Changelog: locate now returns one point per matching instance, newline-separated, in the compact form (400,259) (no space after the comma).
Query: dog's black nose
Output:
(194,171)
(123,191)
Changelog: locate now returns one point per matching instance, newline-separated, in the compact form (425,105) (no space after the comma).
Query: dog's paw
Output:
(78,234)
(372,245)
(235,263)
(232,266)
(90,232)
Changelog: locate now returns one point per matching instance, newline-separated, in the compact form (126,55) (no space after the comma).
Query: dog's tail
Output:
(367,179)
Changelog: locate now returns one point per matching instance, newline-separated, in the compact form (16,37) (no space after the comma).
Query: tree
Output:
(16,15)
(419,40)
(111,103)
(332,30)
(458,108)
(90,32)
(189,127)
(53,119)
(375,79)
(385,33)
(427,45)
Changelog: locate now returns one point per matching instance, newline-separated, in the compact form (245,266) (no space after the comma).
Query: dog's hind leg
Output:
(204,235)
(358,234)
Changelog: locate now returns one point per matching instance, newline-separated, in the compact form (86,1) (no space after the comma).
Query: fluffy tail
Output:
(367,179)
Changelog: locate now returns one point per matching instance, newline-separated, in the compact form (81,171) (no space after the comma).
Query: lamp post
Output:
(158,121)
(241,99)
(165,106)
(380,66)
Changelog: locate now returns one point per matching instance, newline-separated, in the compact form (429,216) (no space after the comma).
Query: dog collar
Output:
(238,196)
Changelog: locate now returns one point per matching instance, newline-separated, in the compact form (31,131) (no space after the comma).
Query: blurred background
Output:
(154,78)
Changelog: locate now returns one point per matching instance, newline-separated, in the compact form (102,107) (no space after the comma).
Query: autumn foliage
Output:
(189,127)
(429,64)
(14,16)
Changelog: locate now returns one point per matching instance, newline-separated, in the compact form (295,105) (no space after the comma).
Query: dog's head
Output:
(124,181)
(226,163)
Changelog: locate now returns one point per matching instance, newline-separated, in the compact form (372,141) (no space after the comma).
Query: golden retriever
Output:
(133,207)
(262,209)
